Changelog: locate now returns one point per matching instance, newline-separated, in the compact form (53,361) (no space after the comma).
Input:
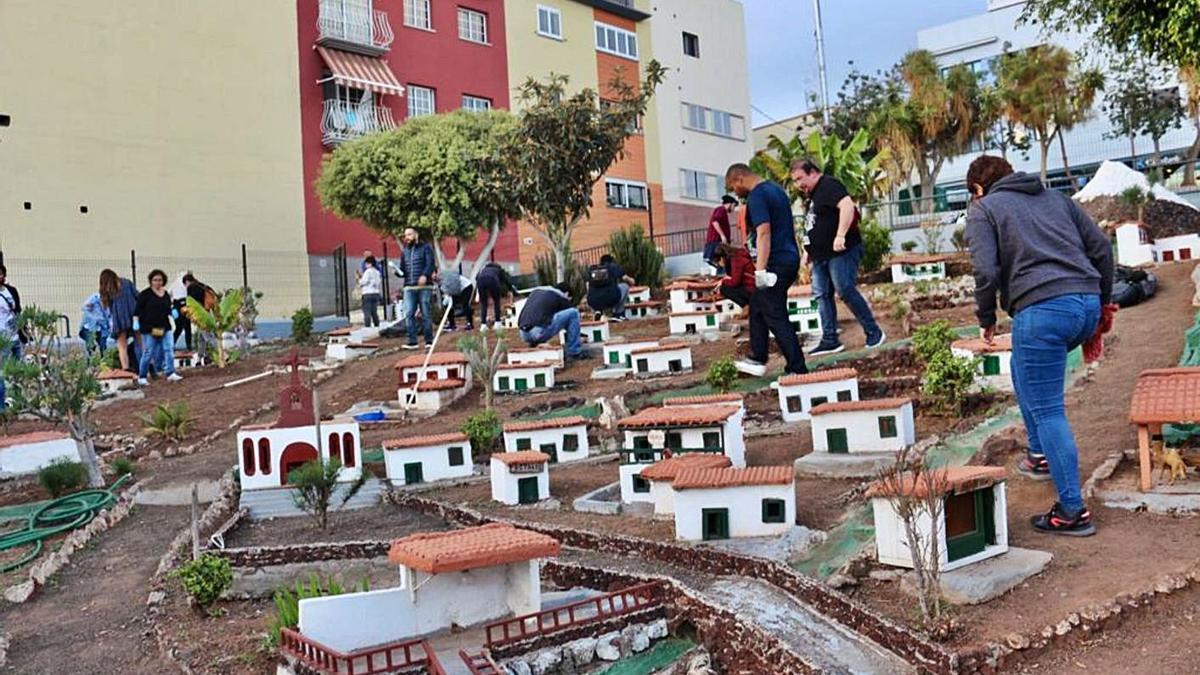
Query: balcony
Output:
(352,25)
(345,121)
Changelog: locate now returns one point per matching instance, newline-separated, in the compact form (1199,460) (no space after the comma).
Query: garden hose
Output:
(55,516)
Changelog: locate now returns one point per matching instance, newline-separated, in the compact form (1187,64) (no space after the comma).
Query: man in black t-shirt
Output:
(835,249)
(608,288)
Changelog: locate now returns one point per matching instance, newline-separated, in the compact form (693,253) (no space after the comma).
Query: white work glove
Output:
(765,279)
(447,301)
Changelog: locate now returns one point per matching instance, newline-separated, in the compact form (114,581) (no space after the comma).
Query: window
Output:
(455,455)
(675,365)
(524,444)
(570,443)
(348,450)
(640,484)
(774,511)
(472,26)
(248,457)
(722,123)
(699,185)
(887,427)
(421,101)
(793,404)
(674,440)
(817,400)
(691,45)
(845,395)
(549,22)
(502,385)
(264,455)
(539,380)
(617,41)
(712,440)
(697,117)
(417,15)
(718,122)
(476,103)
(643,366)
(634,127)
(623,194)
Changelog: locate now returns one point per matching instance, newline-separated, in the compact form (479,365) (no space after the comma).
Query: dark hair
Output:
(725,251)
(370,260)
(729,199)
(3,270)
(156,273)
(188,278)
(986,170)
(564,287)
(110,285)
(805,165)
(739,169)
(606,258)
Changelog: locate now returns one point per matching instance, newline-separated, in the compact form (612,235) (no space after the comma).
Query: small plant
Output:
(877,243)
(931,340)
(902,312)
(62,476)
(722,375)
(205,579)
(170,421)
(931,234)
(484,360)
(302,325)
(316,483)
(287,603)
(482,428)
(1136,197)
(959,239)
(110,359)
(222,319)
(948,380)
(637,255)
(123,466)
(909,246)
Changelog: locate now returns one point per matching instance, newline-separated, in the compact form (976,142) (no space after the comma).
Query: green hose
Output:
(58,515)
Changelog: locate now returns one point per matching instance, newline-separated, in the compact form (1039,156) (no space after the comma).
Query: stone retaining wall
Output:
(267,556)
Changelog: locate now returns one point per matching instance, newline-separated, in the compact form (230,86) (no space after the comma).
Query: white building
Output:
(684,294)
(915,267)
(661,359)
(348,343)
(974,521)
(422,459)
(563,439)
(542,353)
(29,453)
(185,359)
(431,395)
(803,311)
(458,578)
(798,394)
(617,351)
(520,477)
(877,425)
(112,381)
(1134,247)
(663,472)
(995,367)
(441,366)
(694,323)
(521,377)
(757,501)
(650,434)
(638,294)
(592,332)
(643,310)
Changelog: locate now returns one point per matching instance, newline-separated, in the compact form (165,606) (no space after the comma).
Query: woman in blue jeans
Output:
(1053,269)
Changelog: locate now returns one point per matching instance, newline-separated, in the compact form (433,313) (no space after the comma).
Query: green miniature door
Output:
(614,357)
(550,449)
(714,524)
(413,474)
(991,365)
(970,523)
(521,384)
(597,335)
(837,442)
(527,490)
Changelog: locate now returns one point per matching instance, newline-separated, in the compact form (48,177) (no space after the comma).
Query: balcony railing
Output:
(389,658)
(354,25)
(592,610)
(344,121)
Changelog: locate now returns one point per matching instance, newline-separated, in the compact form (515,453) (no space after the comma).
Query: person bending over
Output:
(608,288)
(738,284)
(547,312)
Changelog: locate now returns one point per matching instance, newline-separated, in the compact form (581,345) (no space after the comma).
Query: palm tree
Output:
(221,320)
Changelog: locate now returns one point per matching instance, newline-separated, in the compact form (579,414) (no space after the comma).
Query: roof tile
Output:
(830,375)
(679,417)
(529,365)
(424,441)
(698,479)
(945,480)
(799,291)
(116,374)
(552,423)
(703,400)
(1166,395)
(471,548)
(918,258)
(856,406)
(521,457)
(438,359)
(668,469)
(660,347)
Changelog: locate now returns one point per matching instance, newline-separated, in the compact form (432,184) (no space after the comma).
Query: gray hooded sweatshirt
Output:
(1030,244)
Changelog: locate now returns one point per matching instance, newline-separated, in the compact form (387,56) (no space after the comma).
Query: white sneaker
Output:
(142,382)
(497,326)
(483,327)
(174,377)
(751,367)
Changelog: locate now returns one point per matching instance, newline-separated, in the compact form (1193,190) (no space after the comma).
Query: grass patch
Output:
(657,657)
(591,412)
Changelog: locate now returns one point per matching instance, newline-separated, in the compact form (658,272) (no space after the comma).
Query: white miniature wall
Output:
(556,437)
(892,542)
(27,458)
(539,354)
(506,379)
(862,429)
(628,495)
(1131,250)
(642,294)
(662,494)
(434,461)
(732,432)
(1174,249)
(591,332)
(745,510)
(905,272)
(641,311)
(278,440)
(621,350)
(693,323)
(803,314)
(658,362)
(1002,380)
(113,385)
(807,392)
(681,300)
(430,399)
(504,483)
(346,351)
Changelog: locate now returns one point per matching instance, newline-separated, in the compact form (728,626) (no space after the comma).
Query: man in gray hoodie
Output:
(1053,270)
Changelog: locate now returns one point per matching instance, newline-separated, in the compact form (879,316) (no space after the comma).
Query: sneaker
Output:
(1057,522)
(618,319)
(174,377)
(1036,468)
(483,327)
(877,342)
(142,382)
(584,355)
(450,329)
(751,367)
(412,345)
(827,348)
(497,326)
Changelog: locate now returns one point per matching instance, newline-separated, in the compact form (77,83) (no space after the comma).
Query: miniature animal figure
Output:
(1170,460)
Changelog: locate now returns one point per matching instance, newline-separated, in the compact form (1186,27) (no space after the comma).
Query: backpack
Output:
(599,276)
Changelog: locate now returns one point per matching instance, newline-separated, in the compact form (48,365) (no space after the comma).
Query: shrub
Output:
(482,428)
(932,339)
(315,484)
(547,275)
(908,246)
(62,476)
(948,379)
(205,578)
(722,374)
(302,325)
(287,603)
(877,243)
(171,421)
(110,359)
(485,359)
(931,232)
(959,239)
(637,255)
(123,465)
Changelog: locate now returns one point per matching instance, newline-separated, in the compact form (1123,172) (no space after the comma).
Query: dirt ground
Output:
(381,522)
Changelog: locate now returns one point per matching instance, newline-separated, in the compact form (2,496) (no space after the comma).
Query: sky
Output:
(875,34)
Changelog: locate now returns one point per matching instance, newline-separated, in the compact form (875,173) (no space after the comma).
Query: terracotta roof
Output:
(830,375)
(947,480)
(471,548)
(660,347)
(679,417)
(183,353)
(532,350)
(692,284)
(31,437)
(622,341)
(594,323)
(116,374)
(521,457)
(437,385)
(855,406)
(1002,343)
(344,330)
(918,258)
(798,291)
(438,359)
(668,469)
(424,441)
(1166,395)
(531,364)
(648,303)
(702,400)
(702,312)
(552,423)
(638,289)
(696,479)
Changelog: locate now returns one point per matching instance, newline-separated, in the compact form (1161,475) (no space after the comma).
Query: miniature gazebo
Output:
(732,502)
(563,439)
(916,267)
(799,394)
(1163,396)
(995,370)
(520,477)
(418,459)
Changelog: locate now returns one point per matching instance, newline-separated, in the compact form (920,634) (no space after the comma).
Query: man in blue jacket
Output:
(417,263)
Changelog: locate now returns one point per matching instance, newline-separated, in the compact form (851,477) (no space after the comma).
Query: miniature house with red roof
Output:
(522,377)
(730,502)
(440,382)
(644,309)
(617,351)
(448,580)
(803,310)
(29,453)
(664,358)
(654,434)
(973,523)
(112,381)
(638,294)
(592,332)
(799,394)
(995,359)
(916,267)
(1162,397)
(662,473)
(186,359)
(849,427)
(542,353)
(520,477)
(694,322)
(419,459)
(348,342)
(685,293)
(563,439)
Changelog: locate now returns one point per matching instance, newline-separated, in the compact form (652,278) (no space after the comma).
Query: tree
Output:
(484,360)
(1143,103)
(444,175)
(59,385)
(1190,76)
(221,320)
(315,484)
(861,172)
(564,144)
(860,96)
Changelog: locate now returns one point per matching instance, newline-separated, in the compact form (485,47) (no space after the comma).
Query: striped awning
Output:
(360,72)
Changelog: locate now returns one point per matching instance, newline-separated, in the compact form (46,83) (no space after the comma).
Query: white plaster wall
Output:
(892,541)
(345,352)
(622,349)
(430,400)
(640,296)
(862,429)
(745,510)
(1002,381)
(663,496)
(1130,249)
(900,277)
(698,323)
(1188,242)
(628,496)
(528,373)
(807,392)
(587,334)
(281,438)
(29,458)
(540,355)
(338,621)
(660,362)
(434,459)
(504,483)
(539,437)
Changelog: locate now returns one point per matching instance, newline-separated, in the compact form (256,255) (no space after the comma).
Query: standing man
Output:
(835,247)
(418,264)
(546,313)
(718,230)
(769,214)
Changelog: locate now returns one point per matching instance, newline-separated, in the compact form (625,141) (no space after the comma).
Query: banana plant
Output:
(865,179)
(222,319)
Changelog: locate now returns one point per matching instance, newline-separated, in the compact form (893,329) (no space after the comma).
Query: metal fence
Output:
(670,244)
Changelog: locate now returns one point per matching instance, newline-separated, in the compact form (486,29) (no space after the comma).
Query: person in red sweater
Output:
(738,283)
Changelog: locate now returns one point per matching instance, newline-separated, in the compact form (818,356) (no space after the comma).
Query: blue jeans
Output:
(566,320)
(158,350)
(94,340)
(710,249)
(1043,334)
(840,274)
(370,307)
(15,353)
(412,298)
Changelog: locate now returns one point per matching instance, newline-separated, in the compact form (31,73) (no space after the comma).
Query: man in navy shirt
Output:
(769,215)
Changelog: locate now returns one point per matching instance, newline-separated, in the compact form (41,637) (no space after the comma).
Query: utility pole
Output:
(821,63)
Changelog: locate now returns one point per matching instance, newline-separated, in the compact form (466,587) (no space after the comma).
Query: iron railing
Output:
(344,121)
(368,661)
(669,243)
(354,23)
(599,608)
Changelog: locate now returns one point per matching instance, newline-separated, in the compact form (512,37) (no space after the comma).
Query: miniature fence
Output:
(626,601)
(479,664)
(383,659)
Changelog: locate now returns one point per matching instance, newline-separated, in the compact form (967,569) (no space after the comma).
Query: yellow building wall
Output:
(176,124)
(532,55)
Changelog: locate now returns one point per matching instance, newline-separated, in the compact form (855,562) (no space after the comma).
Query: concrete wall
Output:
(539,437)
(434,460)
(745,510)
(280,439)
(807,392)
(28,458)
(1130,249)
(504,483)
(862,429)
(892,541)
(526,373)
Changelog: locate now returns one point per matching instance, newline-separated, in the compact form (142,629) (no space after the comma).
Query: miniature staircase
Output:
(279,503)
(479,664)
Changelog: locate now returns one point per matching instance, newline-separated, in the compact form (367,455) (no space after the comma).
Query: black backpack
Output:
(599,276)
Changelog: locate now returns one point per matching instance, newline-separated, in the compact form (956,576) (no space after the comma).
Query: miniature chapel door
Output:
(527,490)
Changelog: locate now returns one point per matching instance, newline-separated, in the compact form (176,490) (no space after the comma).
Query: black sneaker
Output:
(826,348)
(1035,468)
(584,355)
(1058,522)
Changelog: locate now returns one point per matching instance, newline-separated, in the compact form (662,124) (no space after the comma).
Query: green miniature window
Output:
(774,511)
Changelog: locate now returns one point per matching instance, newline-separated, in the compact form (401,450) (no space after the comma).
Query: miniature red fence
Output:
(479,664)
(599,608)
(367,661)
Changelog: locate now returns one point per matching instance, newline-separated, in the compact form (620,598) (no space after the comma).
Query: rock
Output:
(657,630)
(18,593)
(155,598)
(607,648)
(637,638)
(840,581)
(884,575)
(991,578)
(519,668)
(1017,641)
(154,454)
(1062,628)
(700,664)
(546,662)
(1000,445)
(583,651)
